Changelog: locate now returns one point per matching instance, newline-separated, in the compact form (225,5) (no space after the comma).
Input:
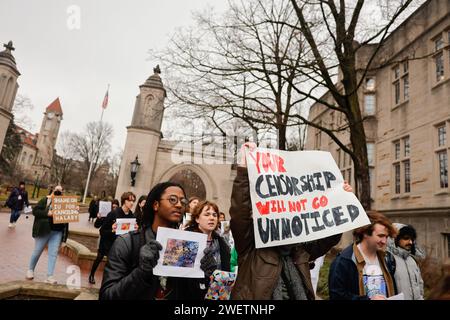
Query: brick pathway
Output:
(17,244)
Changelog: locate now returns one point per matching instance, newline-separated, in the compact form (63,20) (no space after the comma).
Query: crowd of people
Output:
(382,261)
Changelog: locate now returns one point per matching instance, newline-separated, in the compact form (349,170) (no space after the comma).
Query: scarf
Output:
(290,285)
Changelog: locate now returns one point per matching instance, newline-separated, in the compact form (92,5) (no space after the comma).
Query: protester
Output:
(205,219)
(278,273)
(139,207)
(16,200)
(93,209)
(193,201)
(401,258)
(45,232)
(129,271)
(107,232)
(360,271)
(221,216)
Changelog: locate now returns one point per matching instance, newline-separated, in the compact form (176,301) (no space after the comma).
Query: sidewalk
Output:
(17,244)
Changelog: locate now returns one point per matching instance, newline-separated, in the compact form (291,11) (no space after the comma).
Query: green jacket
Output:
(41,224)
(233,260)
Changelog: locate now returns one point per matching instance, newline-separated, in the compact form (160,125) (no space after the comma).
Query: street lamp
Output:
(134,169)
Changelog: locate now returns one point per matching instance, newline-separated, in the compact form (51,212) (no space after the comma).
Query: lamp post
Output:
(134,169)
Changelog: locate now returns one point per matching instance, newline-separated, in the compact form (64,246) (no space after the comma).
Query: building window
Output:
(439,44)
(397,150)
(317,140)
(439,61)
(406,66)
(402,166)
(442,136)
(397,92)
(30,161)
(396,72)
(370,84)
(406,88)
(369,104)
(397,178)
(443,169)
(406,146)
(406,167)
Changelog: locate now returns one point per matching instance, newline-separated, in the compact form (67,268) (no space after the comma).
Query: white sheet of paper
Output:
(104,208)
(27,209)
(399,296)
(181,253)
(125,225)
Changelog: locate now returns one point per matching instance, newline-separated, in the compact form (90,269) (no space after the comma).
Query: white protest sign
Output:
(125,225)
(298,196)
(104,208)
(181,253)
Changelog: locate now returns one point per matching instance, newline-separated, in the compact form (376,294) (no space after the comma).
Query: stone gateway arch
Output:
(208,175)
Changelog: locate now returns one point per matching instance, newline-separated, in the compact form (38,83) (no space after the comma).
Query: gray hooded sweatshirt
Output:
(407,273)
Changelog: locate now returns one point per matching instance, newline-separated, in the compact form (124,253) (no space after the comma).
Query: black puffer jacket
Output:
(107,236)
(124,280)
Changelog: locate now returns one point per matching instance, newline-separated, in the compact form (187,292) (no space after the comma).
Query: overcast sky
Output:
(58,59)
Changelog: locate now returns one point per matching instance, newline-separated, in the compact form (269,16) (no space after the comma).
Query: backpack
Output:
(10,201)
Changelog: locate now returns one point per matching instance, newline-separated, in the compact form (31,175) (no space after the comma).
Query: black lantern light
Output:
(134,169)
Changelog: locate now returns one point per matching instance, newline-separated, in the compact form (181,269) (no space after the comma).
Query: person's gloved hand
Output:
(208,263)
(149,255)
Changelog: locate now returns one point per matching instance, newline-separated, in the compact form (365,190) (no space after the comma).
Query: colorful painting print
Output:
(180,253)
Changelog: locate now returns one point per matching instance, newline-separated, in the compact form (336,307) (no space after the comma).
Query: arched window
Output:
(24,156)
(30,161)
(191,182)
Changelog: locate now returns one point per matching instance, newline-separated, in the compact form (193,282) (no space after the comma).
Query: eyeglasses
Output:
(174,200)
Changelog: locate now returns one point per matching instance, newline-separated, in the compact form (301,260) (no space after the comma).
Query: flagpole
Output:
(92,162)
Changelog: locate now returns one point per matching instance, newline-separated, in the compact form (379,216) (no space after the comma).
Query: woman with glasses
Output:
(205,219)
(108,229)
(129,271)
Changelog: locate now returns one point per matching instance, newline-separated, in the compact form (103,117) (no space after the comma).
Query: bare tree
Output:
(239,66)
(64,159)
(345,25)
(92,145)
(21,109)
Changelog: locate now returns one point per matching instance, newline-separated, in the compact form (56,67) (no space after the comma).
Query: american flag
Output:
(105,100)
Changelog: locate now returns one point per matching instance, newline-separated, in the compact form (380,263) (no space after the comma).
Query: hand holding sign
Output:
(243,158)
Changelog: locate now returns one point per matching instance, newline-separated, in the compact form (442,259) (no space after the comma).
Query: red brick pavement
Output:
(16,246)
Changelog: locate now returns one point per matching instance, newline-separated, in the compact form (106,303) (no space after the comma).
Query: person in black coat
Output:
(93,209)
(129,271)
(16,200)
(107,227)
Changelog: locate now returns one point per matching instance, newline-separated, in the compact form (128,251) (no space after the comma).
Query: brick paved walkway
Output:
(17,244)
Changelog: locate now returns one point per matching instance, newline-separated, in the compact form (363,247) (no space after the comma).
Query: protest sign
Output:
(104,208)
(181,253)
(64,209)
(298,197)
(125,225)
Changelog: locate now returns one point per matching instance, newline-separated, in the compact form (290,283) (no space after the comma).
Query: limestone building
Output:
(406,101)
(36,157)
